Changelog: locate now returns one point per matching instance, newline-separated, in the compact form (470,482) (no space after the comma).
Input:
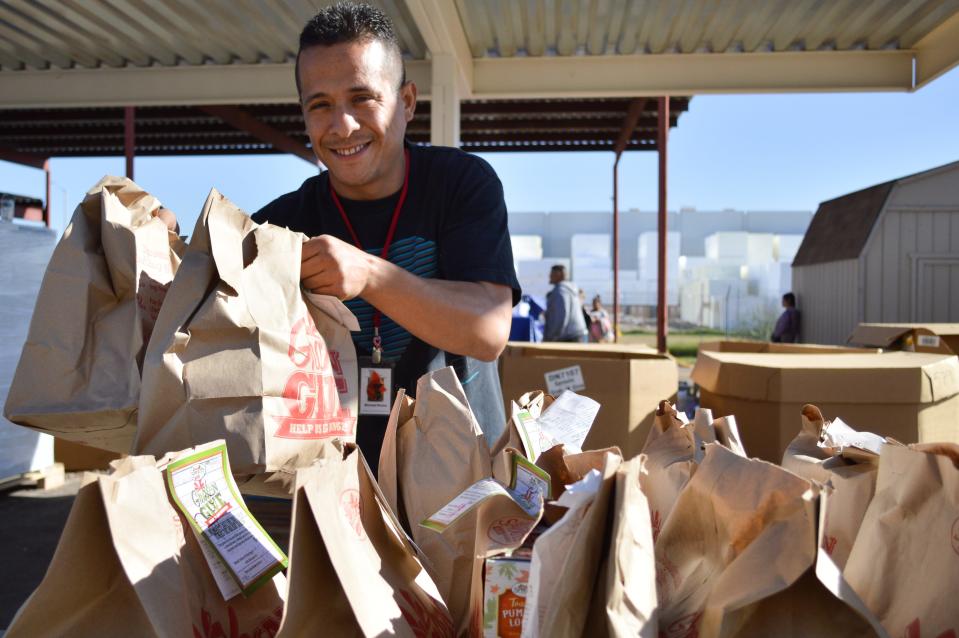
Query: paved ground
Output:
(30,524)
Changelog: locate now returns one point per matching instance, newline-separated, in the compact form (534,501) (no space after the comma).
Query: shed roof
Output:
(840,228)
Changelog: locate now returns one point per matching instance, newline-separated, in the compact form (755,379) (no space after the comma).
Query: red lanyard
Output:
(384,253)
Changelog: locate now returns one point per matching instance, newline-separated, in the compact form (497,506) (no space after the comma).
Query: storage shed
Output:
(886,254)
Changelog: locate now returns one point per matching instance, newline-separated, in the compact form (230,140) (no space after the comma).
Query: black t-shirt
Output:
(452,227)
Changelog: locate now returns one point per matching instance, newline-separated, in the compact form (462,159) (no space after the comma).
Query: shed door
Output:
(936,291)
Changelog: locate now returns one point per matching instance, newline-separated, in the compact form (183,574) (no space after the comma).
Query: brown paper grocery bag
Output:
(627,583)
(565,568)
(850,475)
(741,530)
(128,564)
(352,570)
(670,451)
(238,353)
(427,460)
(565,469)
(530,405)
(905,561)
(79,373)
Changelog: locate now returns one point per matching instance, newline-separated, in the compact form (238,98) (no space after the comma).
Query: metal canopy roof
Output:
(172,52)
(486,126)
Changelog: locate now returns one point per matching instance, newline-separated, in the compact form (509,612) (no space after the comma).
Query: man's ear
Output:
(408,95)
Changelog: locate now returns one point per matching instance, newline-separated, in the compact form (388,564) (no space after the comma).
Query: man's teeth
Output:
(349,151)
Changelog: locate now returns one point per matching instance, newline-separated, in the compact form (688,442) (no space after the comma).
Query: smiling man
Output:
(414,239)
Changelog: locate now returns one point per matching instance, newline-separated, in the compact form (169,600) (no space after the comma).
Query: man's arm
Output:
(466,318)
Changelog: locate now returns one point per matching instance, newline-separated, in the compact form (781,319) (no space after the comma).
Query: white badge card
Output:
(376,390)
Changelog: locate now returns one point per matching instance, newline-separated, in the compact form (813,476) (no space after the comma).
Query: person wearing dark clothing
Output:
(413,239)
(564,312)
(787,326)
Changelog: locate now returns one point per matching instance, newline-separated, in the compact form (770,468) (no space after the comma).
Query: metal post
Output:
(46,206)
(128,138)
(616,250)
(661,307)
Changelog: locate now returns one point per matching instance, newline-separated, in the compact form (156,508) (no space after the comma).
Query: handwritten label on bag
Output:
(568,420)
(570,378)
(927,341)
(202,487)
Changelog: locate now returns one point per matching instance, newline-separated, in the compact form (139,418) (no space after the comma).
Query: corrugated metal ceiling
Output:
(497,28)
(64,34)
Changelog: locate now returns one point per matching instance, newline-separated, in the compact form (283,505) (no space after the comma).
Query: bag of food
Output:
(79,373)
(722,430)
(427,460)
(239,354)
(905,561)
(353,571)
(567,557)
(670,451)
(130,564)
(627,582)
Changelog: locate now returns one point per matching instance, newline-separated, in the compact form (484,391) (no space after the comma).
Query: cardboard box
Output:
(504,597)
(777,348)
(627,381)
(77,458)
(941,338)
(908,396)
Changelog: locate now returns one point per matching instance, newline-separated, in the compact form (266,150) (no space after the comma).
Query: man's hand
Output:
(169,218)
(330,266)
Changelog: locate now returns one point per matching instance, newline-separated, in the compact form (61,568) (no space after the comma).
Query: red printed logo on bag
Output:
(685,627)
(350,507)
(426,621)
(913,631)
(508,531)
(829,544)
(311,394)
(267,628)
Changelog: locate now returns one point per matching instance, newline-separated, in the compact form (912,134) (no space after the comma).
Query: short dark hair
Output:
(790,299)
(560,268)
(349,22)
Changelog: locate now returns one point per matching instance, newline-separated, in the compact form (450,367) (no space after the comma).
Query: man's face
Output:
(555,276)
(356,116)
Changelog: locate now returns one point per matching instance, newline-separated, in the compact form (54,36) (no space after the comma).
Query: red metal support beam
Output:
(626,132)
(129,138)
(46,202)
(662,309)
(242,120)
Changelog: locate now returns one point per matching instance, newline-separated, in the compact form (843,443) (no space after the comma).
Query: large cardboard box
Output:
(942,338)
(776,348)
(908,396)
(627,381)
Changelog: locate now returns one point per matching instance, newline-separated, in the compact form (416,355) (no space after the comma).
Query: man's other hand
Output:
(330,266)
(169,218)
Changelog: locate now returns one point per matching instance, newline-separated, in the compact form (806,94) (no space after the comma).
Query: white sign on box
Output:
(570,378)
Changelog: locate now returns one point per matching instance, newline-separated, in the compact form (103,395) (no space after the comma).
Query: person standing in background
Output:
(787,326)
(564,312)
(600,327)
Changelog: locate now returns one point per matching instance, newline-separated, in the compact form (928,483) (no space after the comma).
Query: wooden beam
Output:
(242,120)
(27,159)
(628,129)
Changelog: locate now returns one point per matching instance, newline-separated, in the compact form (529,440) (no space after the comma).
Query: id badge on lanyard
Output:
(376,375)
(376,386)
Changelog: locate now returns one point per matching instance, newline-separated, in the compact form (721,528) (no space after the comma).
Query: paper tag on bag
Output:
(528,480)
(570,378)
(568,420)
(529,433)
(202,487)
(463,503)
(927,341)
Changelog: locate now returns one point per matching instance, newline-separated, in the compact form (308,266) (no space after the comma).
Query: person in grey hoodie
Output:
(564,315)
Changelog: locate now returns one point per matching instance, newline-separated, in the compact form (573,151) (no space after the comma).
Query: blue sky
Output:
(750,152)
